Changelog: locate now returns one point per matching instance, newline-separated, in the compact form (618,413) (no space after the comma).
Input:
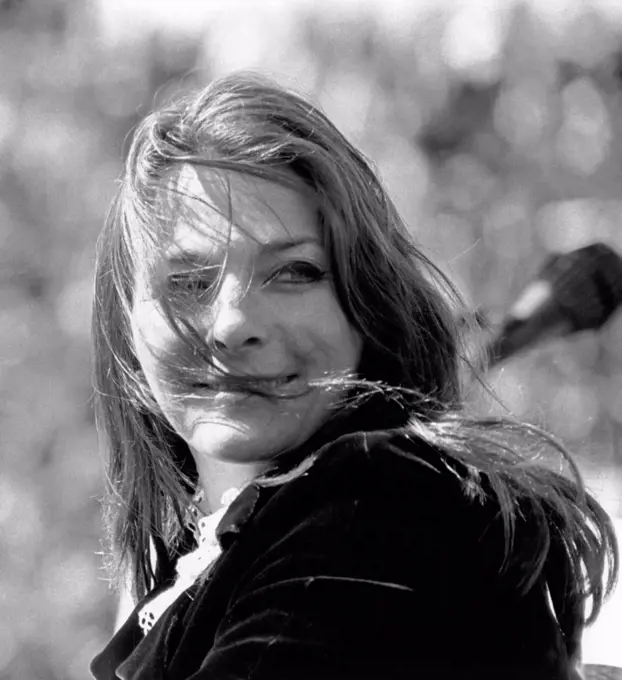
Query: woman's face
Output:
(273,316)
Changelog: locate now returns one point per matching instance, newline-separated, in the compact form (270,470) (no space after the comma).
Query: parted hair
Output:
(399,302)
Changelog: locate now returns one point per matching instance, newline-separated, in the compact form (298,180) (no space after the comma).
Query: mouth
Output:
(289,386)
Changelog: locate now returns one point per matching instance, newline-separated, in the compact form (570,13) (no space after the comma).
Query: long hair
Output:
(397,300)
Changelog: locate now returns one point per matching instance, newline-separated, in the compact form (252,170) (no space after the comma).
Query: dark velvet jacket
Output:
(377,562)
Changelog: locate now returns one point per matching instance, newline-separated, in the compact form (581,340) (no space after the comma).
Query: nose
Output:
(237,323)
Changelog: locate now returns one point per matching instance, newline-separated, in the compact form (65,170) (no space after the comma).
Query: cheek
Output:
(153,339)
(148,325)
(330,333)
(351,343)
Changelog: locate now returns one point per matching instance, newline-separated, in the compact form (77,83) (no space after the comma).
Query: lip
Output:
(285,385)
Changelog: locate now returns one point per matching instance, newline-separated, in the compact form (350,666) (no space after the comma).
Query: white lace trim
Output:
(189,567)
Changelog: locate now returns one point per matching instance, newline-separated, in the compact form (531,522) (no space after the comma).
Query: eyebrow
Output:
(193,258)
(201,259)
(280,245)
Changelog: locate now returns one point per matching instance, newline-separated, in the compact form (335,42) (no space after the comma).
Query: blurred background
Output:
(496,125)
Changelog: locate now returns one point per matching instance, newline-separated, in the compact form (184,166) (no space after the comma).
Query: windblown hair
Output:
(397,300)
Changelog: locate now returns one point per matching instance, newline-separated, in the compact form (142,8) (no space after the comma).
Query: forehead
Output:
(225,208)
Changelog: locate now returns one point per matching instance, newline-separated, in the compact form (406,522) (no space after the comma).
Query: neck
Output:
(218,476)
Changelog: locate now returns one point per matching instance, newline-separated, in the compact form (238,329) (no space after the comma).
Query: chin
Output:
(239,443)
(248,431)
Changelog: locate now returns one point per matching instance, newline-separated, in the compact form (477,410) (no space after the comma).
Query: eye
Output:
(298,272)
(196,283)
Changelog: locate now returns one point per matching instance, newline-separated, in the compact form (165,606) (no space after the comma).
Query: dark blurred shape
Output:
(468,110)
(7,5)
(575,291)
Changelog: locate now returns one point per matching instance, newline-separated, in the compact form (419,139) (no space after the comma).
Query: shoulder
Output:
(381,500)
(387,485)
(376,549)
(379,524)
(396,465)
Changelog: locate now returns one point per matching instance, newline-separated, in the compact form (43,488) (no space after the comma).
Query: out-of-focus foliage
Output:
(500,138)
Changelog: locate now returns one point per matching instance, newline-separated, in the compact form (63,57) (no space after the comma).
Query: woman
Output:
(294,485)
